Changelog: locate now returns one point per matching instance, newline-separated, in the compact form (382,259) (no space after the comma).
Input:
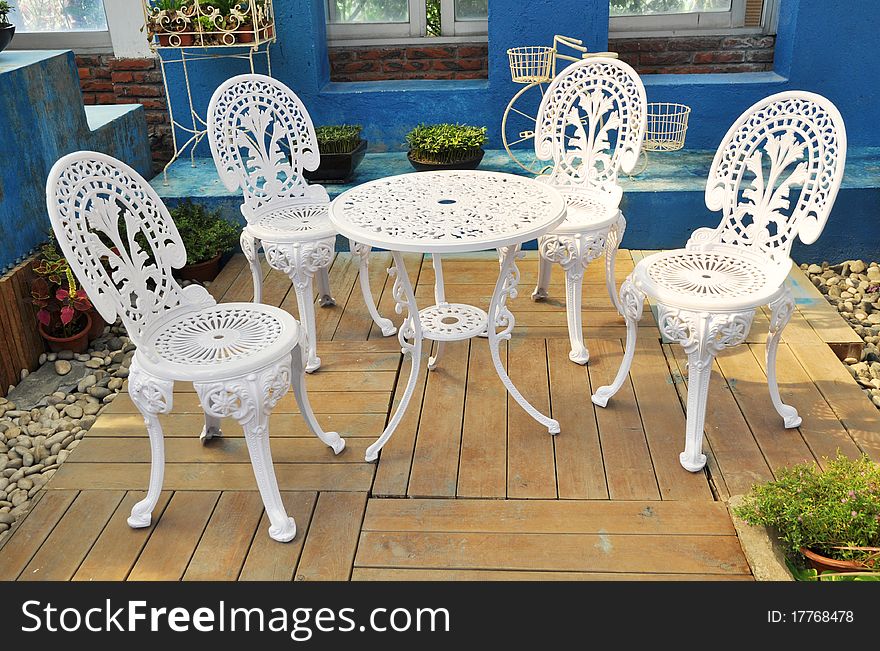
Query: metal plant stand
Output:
(450,212)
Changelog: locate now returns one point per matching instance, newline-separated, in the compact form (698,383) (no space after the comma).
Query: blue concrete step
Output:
(663,204)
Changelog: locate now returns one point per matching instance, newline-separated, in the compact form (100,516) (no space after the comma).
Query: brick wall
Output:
(459,61)
(696,54)
(107,80)
(671,55)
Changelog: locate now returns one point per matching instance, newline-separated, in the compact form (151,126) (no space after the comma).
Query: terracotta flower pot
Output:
(98,324)
(201,271)
(245,33)
(823,563)
(78,343)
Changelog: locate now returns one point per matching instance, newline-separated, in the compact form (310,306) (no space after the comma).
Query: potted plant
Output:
(169,20)
(64,315)
(446,146)
(206,236)
(342,150)
(7,29)
(829,520)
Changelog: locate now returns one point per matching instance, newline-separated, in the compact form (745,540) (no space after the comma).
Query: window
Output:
(691,15)
(60,24)
(405,19)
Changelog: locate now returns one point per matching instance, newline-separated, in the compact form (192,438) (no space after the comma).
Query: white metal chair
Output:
(262,139)
(591,124)
(774,177)
(241,357)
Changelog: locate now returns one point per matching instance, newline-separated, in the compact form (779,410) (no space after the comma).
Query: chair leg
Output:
(702,335)
(331,439)
(434,359)
(250,400)
(211,430)
(612,244)
(322,279)
(250,246)
(362,252)
(574,280)
(545,268)
(304,301)
(152,396)
(632,300)
(780,314)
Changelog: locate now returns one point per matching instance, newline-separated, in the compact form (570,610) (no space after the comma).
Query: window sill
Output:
(408,85)
(671,33)
(423,41)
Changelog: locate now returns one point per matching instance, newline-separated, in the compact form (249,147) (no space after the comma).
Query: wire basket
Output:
(667,124)
(531,64)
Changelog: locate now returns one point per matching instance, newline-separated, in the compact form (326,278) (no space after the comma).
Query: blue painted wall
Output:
(829,52)
(44,119)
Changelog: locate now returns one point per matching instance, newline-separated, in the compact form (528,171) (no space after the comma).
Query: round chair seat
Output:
(293,223)
(586,210)
(705,280)
(219,342)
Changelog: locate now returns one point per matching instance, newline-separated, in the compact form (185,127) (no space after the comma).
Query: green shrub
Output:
(823,511)
(338,138)
(204,232)
(445,143)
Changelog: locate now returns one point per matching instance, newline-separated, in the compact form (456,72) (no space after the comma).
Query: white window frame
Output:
(124,36)
(411,32)
(698,21)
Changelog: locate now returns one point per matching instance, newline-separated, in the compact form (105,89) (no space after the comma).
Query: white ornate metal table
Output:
(450,212)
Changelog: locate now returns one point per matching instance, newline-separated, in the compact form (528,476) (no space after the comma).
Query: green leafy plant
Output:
(338,138)
(5,8)
(445,143)
(54,291)
(171,5)
(204,232)
(835,512)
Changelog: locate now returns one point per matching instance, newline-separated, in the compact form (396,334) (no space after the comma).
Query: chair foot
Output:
(138,519)
(602,396)
(313,365)
(581,356)
(553,428)
(790,417)
(284,533)
(209,433)
(326,301)
(692,465)
(540,294)
(369,457)
(388,328)
(334,441)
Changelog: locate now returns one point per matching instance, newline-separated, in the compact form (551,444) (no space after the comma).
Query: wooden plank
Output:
(579,468)
(549,516)
(357,362)
(221,551)
(336,381)
(483,462)
(781,447)
(531,471)
(276,285)
(215,476)
(72,538)
(385,301)
(176,534)
(268,560)
(332,539)
(220,450)
(323,402)
(435,460)
(552,552)
(860,417)
(118,547)
(821,429)
(343,277)
(33,531)
(733,447)
(241,290)
(350,426)
(396,574)
(395,460)
(628,466)
(236,265)
(355,322)
(664,424)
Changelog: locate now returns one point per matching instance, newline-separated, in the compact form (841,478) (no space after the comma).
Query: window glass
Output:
(369,11)
(59,15)
(471,9)
(653,7)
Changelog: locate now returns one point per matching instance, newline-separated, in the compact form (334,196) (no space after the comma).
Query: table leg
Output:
(410,329)
(439,299)
(501,317)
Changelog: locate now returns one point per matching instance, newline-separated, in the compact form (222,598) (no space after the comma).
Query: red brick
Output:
(430,52)
(760,42)
(141,90)
(471,64)
(84,73)
(356,67)
(340,54)
(154,103)
(624,45)
(760,55)
(694,43)
(89,60)
(664,58)
(378,53)
(96,86)
(632,58)
(88,98)
(132,64)
(730,56)
(653,44)
(473,51)
(123,77)
(472,74)
(105,98)
(155,117)
(404,66)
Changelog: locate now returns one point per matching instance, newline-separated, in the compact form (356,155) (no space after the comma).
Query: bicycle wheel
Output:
(518,127)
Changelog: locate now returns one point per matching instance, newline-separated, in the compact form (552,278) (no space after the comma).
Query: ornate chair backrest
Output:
(591,124)
(119,240)
(262,139)
(775,175)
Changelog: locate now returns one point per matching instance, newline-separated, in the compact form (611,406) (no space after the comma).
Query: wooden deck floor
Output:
(605,499)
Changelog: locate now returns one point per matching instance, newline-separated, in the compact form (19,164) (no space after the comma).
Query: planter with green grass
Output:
(206,236)
(342,150)
(446,146)
(7,29)
(827,520)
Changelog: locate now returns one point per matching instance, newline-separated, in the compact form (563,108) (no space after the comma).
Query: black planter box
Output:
(337,168)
